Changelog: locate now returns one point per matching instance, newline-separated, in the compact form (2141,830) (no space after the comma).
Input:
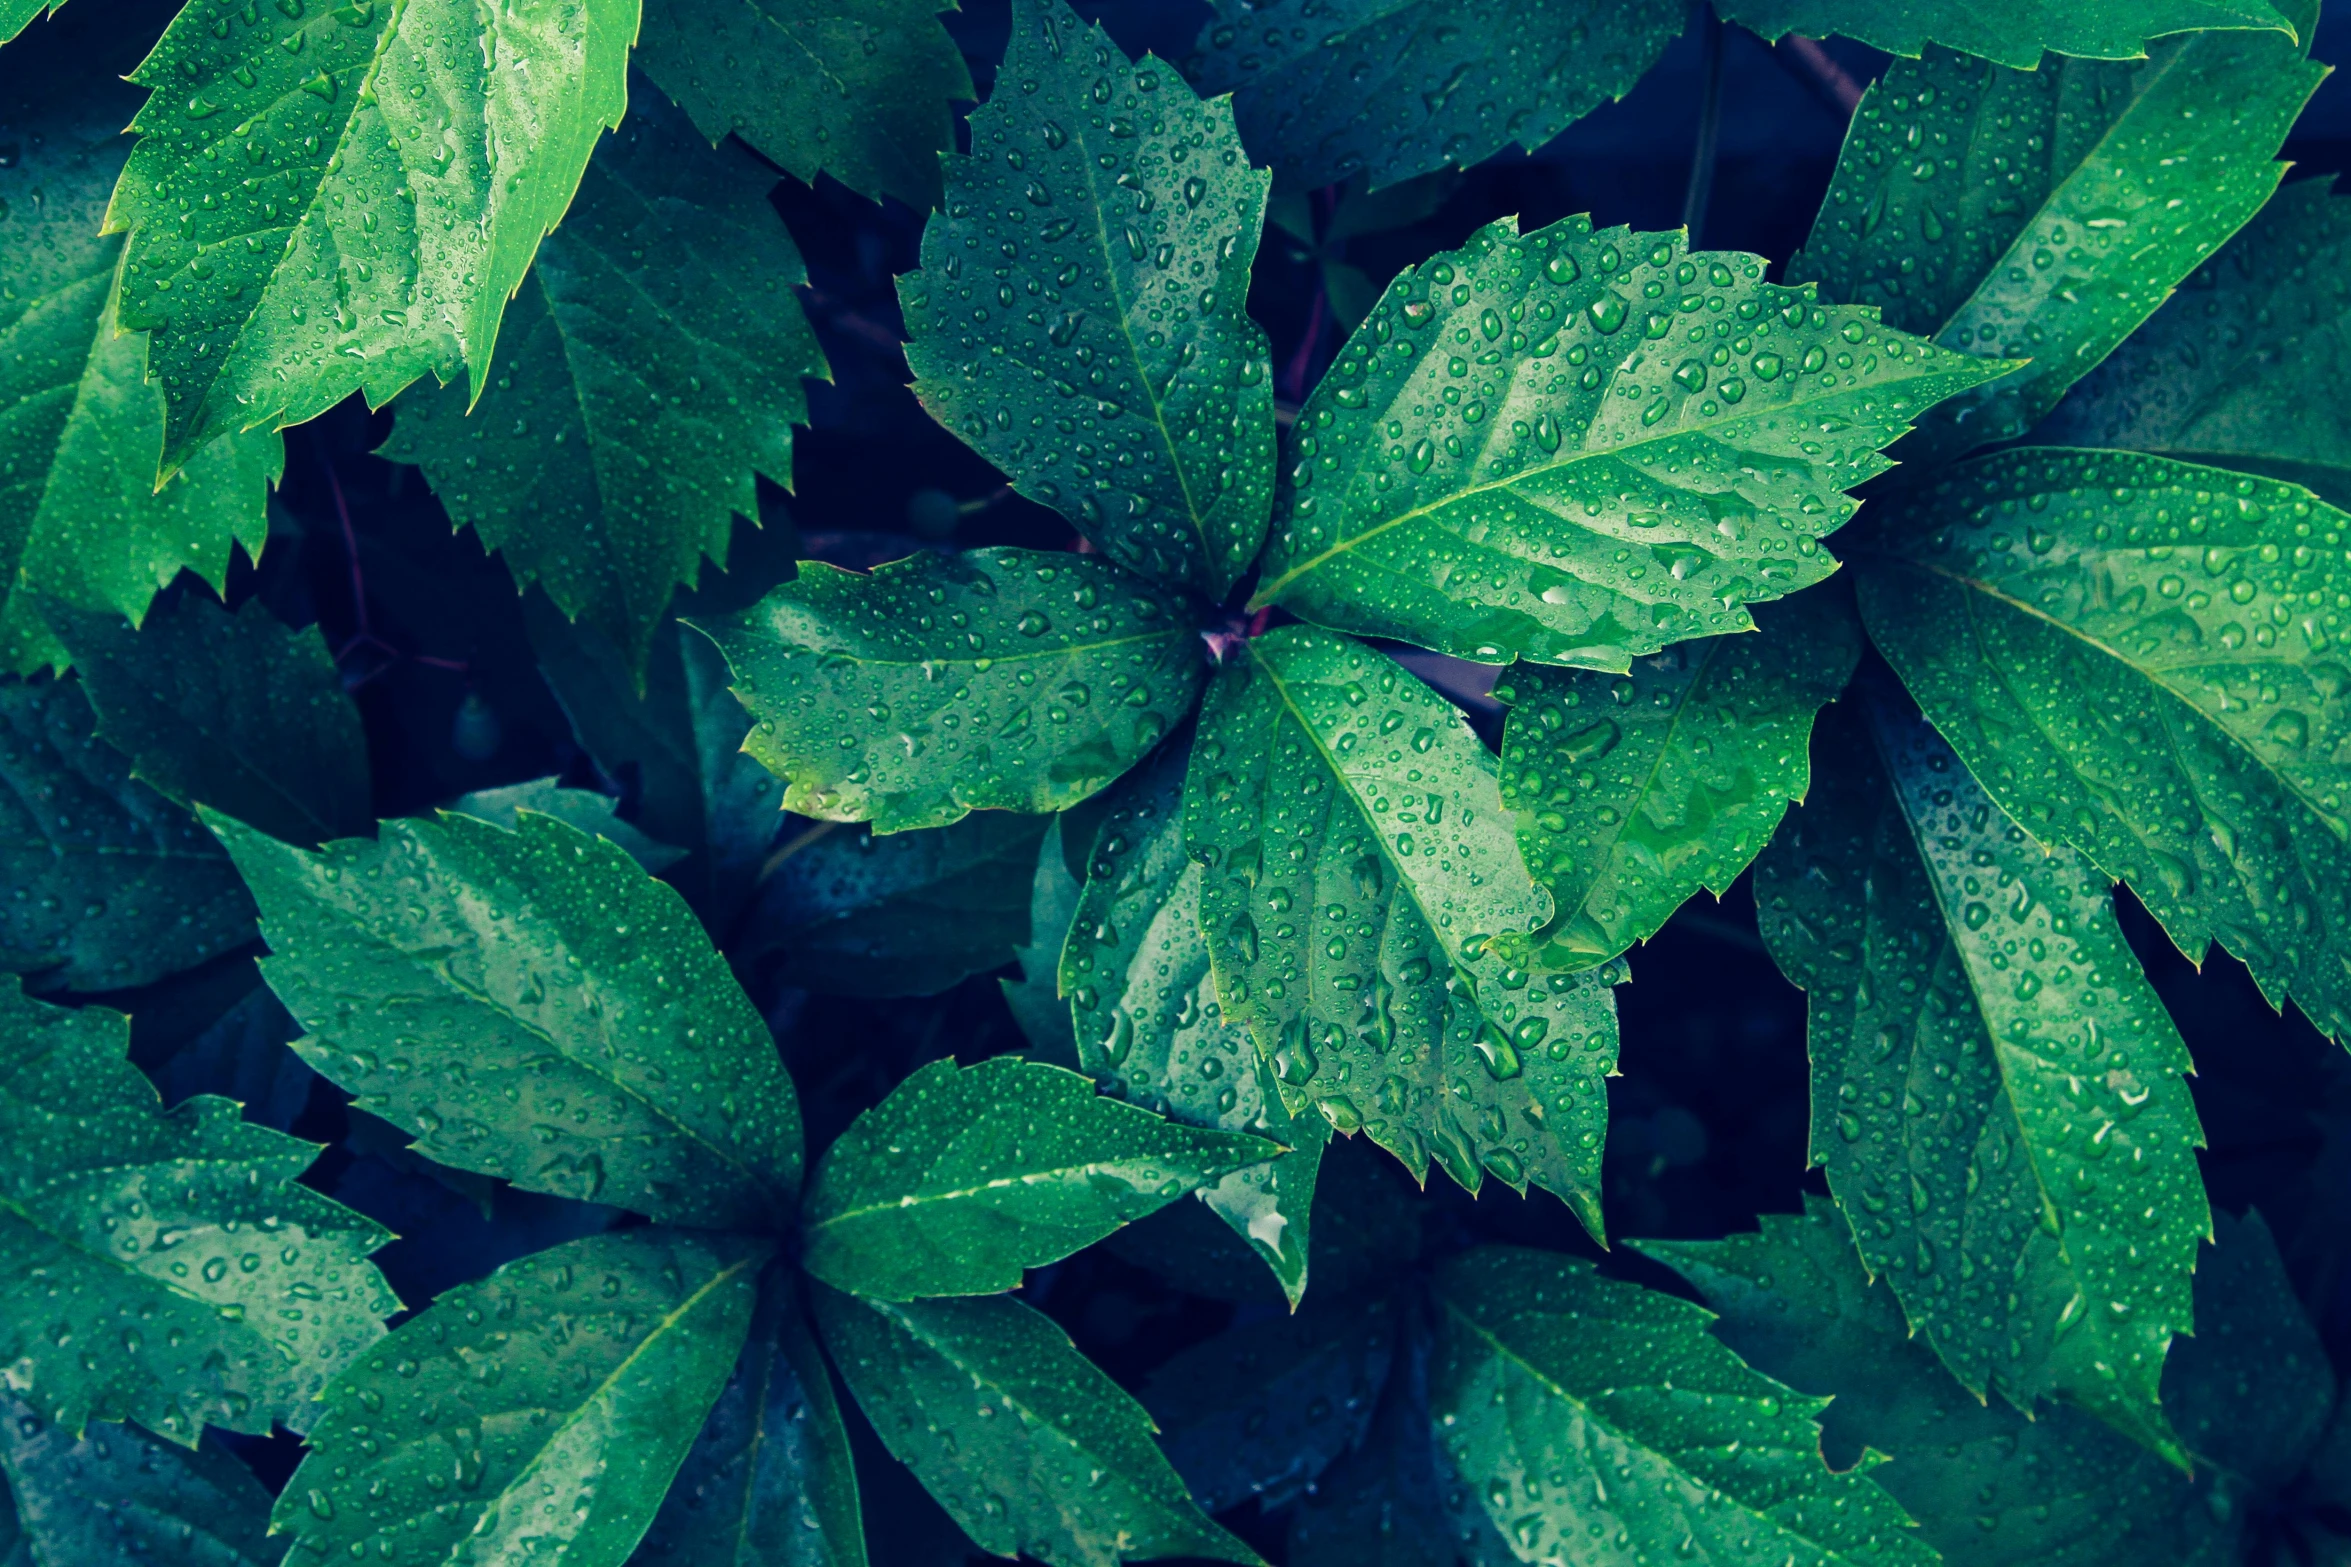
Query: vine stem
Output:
(1701,188)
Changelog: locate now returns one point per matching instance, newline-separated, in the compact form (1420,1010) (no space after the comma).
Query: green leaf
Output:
(2240,366)
(1149,1027)
(1133,281)
(361,190)
(536,1415)
(2122,176)
(163,1268)
(908,914)
(1593,1408)
(1035,997)
(678,730)
(2135,672)
(1996,1091)
(81,516)
(1327,778)
(1258,1412)
(1576,447)
(119,886)
(17,15)
(652,367)
(858,91)
(1394,88)
(769,1482)
(1019,679)
(1020,1437)
(965,1176)
(585,809)
(1989,1487)
(1634,791)
(2008,32)
(234,711)
(531,1005)
(117,1497)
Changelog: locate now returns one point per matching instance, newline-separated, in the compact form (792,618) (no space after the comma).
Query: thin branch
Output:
(1818,70)
(1701,187)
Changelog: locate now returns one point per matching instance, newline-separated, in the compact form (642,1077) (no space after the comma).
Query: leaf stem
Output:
(1701,187)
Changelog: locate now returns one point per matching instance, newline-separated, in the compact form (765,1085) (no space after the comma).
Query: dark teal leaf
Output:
(2044,213)
(237,712)
(119,886)
(117,1497)
(1580,1407)
(245,1054)
(1109,313)
(2011,32)
(1576,447)
(538,1415)
(1035,997)
(965,1176)
(163,1268)
(1634,791)
(1020,1437)
(530,1004)
(1394,88)
(1997,1095)
(585,809)
(1325,777)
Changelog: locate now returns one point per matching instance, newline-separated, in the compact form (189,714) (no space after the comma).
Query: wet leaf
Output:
(2009,32)
(585,809)
(118,1497)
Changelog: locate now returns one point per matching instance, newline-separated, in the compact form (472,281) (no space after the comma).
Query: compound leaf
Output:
(2138,671)
(2007,32)
(857,91)
(1989,1487)
(163,1268)
(119,886)
(1104,357)
(1591,1408)
(2240,365)
(1575,447)
(1360,893)
(116,1497)
(769,1482)
(2051,209)
(966,1176)
(1149,1027)
(1395,88)
(343,199)
(1633,791)
(1021,1438)
(580,1373)
(530,1004)
(653,365)
(235,711)
(1997,1095)
(1019,679)
(81,516)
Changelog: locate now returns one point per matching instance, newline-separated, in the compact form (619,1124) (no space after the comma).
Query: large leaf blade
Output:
(116,1497)
(2007,32)
(1134,283)
(529,1004)
(1576,447)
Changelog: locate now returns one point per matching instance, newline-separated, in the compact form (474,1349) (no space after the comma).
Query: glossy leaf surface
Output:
(652,366)
(163,1268)
(363,193)
(80,513)
(2008,32)
(1394,88)
(858,91)
(580,1373)
(531,1005)
(1080,317)
(1576,447)
(2137,670)
(1142,998)
(235,711)
(1024,1442)
(120,886)
(1360,884)
(2240,365)
(966,1176)
(1017,679)
(2044,213)
(1997,1094)
(1634,791)
(1989,1487)
(118,1497)
(585,809)
(1585,1407)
